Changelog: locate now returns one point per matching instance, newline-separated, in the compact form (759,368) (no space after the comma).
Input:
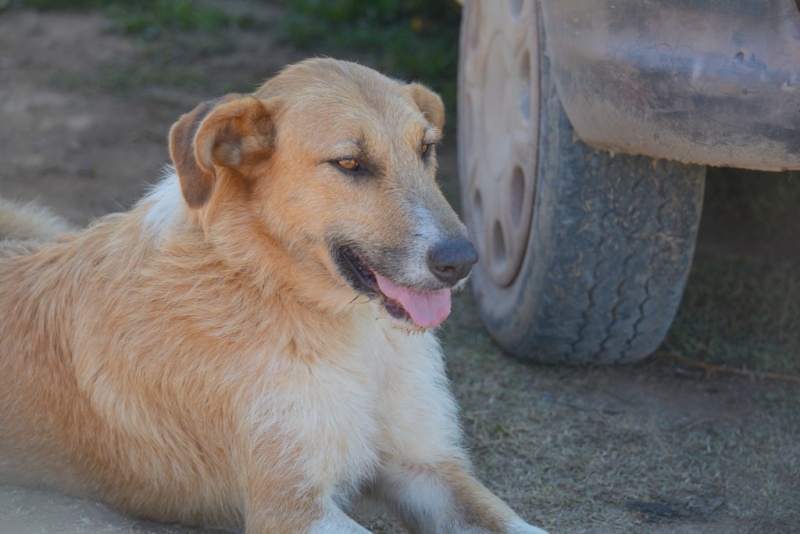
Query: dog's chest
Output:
(338,415)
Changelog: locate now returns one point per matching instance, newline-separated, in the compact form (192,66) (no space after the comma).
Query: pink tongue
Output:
(426,308)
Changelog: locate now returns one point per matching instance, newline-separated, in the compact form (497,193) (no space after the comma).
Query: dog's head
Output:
(333,165)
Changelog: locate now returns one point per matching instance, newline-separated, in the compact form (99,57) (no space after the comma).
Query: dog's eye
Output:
(426,149)
(349,164)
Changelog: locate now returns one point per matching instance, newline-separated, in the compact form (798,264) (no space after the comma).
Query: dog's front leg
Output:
(443,497)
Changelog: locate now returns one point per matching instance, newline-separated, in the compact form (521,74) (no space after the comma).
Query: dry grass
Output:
(572,448)
(741,307)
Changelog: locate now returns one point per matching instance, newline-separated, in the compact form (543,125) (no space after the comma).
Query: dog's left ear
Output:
(429,103)
(233,132)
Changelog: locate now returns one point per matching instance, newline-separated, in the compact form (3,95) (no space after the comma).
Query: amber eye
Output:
(426,147)
(348,164)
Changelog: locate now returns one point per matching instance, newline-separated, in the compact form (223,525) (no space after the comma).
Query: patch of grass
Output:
(169,63)
(175,38)
(149,18)
(126,80)
(754,202)
(743,313)
(415,39)
(569,453)
(59,4)
(741,306)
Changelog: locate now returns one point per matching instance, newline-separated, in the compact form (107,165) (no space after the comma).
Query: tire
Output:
(584,254)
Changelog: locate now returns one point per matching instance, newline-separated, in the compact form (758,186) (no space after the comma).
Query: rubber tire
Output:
(609,250)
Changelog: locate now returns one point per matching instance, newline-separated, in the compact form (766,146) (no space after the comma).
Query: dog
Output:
(251,345)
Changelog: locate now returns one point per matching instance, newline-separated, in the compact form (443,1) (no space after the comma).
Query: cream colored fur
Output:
(202,359)
(29,222)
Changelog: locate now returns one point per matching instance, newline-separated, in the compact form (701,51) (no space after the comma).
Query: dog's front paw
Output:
(518,526)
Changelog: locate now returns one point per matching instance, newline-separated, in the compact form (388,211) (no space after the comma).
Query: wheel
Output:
(583,254)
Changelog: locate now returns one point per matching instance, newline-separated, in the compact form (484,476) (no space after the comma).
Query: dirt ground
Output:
(647,448)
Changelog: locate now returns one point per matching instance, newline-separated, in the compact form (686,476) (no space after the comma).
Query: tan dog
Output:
(250,344)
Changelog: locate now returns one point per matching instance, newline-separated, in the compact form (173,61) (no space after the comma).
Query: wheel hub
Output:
(499,130)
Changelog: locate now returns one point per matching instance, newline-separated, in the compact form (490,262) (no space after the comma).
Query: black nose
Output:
(452,260)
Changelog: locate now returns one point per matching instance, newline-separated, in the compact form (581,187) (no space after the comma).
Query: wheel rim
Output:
(499,130)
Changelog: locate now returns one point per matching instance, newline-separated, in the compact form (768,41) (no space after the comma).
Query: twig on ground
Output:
(711,368)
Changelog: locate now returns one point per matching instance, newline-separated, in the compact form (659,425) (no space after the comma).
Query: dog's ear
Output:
(232,132)
(429,103)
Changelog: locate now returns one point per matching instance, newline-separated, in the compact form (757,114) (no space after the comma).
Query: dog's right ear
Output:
(233,132)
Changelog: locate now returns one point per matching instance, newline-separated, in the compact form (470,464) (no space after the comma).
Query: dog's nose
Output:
(452,260)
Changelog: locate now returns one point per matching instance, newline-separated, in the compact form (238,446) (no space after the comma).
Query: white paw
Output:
(335,521)
(518,526)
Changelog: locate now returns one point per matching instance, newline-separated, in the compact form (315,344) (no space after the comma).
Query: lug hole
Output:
(477,205)
(499,255)
(517,195)
(525,87)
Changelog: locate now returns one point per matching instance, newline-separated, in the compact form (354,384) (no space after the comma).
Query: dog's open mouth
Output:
(425,309)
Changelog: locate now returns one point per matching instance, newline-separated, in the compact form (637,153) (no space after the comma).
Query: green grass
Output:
(149,18)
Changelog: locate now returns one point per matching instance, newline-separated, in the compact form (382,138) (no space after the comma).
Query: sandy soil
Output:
(646,448)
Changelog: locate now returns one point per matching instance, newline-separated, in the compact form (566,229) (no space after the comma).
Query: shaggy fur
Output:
(249,346)
(29,222)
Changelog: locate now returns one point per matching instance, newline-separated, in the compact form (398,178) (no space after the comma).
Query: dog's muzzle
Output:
(449,261)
